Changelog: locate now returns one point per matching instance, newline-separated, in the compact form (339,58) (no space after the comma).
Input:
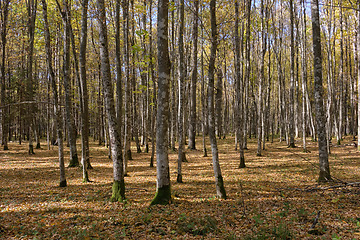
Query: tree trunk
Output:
(194,75)
(181,81)
(85,159)
(163,192)
(31,8)
(118,188)
(57,111)
(238,89)
(4,7)
(318,91)
(219,182)
(292,79)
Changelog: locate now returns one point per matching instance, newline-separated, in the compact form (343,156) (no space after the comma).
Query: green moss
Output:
(118,191)
(63,183)
(86,178)
(162,196)
(220,189)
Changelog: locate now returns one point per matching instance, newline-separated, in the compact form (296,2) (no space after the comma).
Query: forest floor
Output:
(275,197)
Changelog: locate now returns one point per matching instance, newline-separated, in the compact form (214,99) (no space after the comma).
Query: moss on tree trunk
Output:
(162,196)
(118,191)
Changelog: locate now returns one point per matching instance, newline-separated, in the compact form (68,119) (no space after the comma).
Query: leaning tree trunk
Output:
(4,110)
(318,91)
(118,188)
(163,192)
(57,112)
(220,189)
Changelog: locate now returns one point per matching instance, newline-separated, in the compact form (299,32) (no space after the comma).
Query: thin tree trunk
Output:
(292,79)
(85,159)
(118,188)
(57,111)
(4,7)
(181,81)
(219,182)
(238,90)
(194,75)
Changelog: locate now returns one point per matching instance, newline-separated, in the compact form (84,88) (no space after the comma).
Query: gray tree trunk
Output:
(85,158)
(292,79)
(118,188)
(324,174)
(66,79)
(219,182)
(194,76)
(31,9)
(163,192)
(181,81)
(238,89)
(57,111)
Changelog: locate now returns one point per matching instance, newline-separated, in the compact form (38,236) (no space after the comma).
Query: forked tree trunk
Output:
(324,174)
(118,188)
(219,182)
(163,192)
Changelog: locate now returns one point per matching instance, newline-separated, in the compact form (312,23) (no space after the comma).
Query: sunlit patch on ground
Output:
(275,197)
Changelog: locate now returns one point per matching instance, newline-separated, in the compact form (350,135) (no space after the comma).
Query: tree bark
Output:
(219,182)
(57,111)
(194,76)
(181,81)
(118,188)
(238,89)
(324,174)
(163,192)
(4,7)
